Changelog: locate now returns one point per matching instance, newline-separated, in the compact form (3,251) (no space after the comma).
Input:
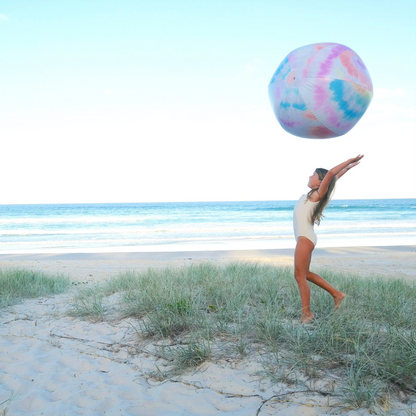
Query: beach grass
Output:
(88,303)
(4,405)
(367,348)
(18,284)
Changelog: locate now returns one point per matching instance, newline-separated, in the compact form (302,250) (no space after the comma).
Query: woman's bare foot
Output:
(338,300)
(306,319)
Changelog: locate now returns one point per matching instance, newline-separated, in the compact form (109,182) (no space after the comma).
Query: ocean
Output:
(177,226)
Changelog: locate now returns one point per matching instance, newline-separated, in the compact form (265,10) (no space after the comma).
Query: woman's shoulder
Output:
(314,196)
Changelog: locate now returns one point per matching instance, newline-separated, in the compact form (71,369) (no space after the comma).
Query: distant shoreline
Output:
(194,254)
(173,227)
(200,202)
(389,261)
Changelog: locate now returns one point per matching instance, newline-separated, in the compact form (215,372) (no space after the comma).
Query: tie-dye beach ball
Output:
(320,91)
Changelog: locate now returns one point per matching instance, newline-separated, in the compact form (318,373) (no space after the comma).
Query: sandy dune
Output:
(62,366)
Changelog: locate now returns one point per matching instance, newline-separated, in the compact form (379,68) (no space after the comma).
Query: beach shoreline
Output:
(397,261)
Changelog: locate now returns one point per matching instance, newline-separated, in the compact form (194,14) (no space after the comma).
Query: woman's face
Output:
(314,181)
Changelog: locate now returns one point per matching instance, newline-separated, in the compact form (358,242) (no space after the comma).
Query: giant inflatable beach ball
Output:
(320,91)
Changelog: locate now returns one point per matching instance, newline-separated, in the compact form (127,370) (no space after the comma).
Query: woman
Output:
(308,211)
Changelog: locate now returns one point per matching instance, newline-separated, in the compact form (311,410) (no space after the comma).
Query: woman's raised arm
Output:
(337,171)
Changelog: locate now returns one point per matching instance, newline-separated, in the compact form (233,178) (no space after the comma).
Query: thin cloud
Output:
(253,67)
(3,17)
(382,112)
(385,93)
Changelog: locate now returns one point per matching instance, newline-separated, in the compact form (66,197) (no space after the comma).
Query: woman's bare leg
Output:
(322,283)
(303,255)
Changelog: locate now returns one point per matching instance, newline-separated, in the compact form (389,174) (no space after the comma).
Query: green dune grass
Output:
(369,344)
(19,284)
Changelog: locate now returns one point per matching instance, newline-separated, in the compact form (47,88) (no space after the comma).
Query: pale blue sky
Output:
(135,101)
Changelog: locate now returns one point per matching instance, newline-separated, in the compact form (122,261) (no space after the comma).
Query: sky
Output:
(158,100)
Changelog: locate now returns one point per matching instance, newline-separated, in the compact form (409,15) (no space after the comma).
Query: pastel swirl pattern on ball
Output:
(320,91)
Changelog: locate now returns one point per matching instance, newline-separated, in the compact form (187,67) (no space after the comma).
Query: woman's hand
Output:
(354,162)
(355,159)
(350,163)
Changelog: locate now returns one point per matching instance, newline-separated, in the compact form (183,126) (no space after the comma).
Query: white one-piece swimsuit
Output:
(302,219)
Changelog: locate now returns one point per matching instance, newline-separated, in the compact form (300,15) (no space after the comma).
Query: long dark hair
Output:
(318,213)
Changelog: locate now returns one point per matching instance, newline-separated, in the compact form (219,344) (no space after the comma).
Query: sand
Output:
(399,261)
(58,365)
